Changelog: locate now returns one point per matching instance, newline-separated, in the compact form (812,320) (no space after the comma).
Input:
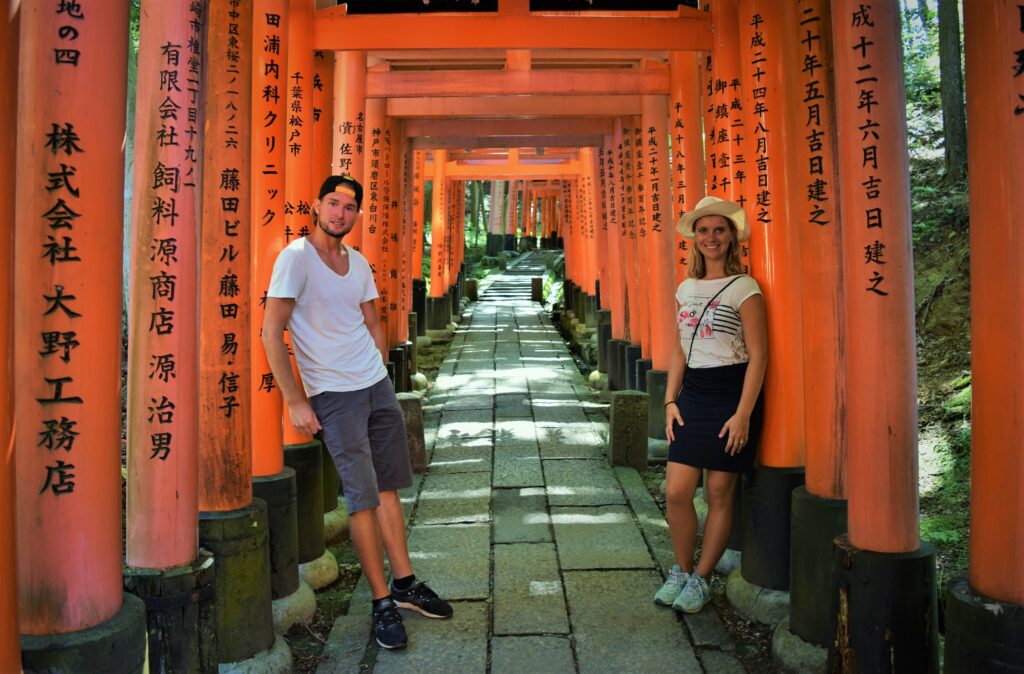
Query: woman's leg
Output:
(680,485)
(718,527)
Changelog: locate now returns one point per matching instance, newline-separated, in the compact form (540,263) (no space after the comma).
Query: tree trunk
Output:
(952,90)
(474,207)
(924,13)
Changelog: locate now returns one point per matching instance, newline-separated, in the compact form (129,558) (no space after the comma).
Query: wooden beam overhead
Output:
(474,142)
(407,84)
(559,126)
(515,106)
(334,30)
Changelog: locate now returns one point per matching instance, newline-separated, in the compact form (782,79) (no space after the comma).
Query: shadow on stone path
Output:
(550,556)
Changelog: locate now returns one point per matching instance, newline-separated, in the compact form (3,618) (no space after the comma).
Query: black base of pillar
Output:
(115,645)
(616,352)
(816,523)
(439,314)
(495,242)
(559,243)
(410,362)
(181,617)
(455,302)
(982,634)
(591,311)
(278,492)
(510,242)
(768,503)
(657,383)
(305,459)
(604,335)
(238,541)
(582,306)
(736,535)
(884,614)
(643,366)
(537,289)
(396,355)
(632,355)
(419,305)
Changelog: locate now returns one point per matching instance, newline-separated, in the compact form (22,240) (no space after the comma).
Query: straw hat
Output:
(715,206)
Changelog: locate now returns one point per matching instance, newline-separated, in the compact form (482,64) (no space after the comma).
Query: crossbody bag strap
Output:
(706,306)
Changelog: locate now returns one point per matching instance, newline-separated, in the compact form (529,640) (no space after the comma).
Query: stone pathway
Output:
(549,555)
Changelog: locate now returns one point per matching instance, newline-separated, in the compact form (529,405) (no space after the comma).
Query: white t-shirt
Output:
(333,347)
(719,338)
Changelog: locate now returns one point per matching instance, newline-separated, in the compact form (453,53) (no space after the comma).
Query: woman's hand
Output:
(738,429)
(672,416)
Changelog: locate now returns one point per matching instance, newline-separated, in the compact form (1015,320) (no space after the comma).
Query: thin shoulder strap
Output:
(706,306)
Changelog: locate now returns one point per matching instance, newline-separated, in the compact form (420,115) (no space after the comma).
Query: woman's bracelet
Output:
(670,402)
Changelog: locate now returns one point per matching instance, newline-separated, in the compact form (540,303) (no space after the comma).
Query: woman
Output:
(717,368)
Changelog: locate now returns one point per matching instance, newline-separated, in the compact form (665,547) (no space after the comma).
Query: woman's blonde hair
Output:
(696,267)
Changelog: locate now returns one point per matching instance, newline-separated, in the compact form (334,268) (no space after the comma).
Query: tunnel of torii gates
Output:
(609,125)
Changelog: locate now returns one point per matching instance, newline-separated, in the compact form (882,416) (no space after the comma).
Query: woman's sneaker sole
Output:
(420,610)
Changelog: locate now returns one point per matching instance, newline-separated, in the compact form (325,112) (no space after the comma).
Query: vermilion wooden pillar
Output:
(66,351)
(390,241)
(438,226)
(728,168)
(883,575)
(660,230)
(642,204)
(269,95)
(163,366)
(814,177)
(588,220)
(687,148)
(225,451)
(615,232)
(349,139)
(419,179)
(994,36)
(323,116)
(774,238)
(881,407)
(375,202)
(9,646)
(299,190)
(630,272)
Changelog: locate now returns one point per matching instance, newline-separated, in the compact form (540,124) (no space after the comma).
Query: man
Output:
(324,292)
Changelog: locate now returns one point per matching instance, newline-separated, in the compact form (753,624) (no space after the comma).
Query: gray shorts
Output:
(365,433)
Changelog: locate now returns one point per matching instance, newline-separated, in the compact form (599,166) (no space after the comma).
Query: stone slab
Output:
(606,606)
(528,596)
(600,538)
(581,483)
(708,630)
(455,645)
(577,441)
(349,637)
(455,559)
(461,459)
(515,432)
(521,516)
(454,498)
(716,662)
(649,516)
(531,655)
(517,466)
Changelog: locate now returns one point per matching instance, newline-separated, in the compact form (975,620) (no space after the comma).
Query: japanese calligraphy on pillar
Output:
(653,179)
(628,222)
(298,139)
(1017,58)
(162,326)
(871,140)
(351,144)
(639,173)
(815,81)
(224,410)
(758,60)
(60,396)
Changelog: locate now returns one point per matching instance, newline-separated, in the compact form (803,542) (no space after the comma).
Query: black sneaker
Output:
(387,625)
(421,598)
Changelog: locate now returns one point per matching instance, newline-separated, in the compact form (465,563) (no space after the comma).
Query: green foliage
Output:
(935,204)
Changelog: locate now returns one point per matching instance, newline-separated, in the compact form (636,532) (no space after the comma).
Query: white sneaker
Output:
(673,586)
(694,596)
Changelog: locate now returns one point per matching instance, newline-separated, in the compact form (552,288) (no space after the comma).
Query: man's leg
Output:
(391,521)
(366,537)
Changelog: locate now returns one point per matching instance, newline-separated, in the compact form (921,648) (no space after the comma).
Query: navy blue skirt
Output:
(708,398)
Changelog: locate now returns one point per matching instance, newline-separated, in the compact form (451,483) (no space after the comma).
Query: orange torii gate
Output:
(731,73)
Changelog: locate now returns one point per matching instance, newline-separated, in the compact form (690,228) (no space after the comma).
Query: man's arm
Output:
(275,317)
(373,325)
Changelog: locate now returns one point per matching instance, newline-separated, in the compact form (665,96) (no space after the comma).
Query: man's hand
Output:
(303,418)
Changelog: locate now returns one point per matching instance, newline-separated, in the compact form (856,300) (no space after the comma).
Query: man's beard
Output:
(328,232)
